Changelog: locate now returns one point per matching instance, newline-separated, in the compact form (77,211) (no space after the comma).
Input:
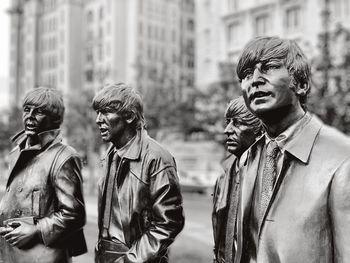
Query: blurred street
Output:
(193,245)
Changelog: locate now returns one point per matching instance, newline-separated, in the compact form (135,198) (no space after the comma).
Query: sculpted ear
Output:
(302,89)
(130,118)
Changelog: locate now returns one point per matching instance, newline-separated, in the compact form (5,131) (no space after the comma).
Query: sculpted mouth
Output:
(30,126)
(103,130)
(231,142)
(259,94)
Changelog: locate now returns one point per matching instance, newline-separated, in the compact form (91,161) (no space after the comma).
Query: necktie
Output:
(269,177)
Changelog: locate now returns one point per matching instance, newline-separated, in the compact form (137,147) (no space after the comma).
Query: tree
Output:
(165,110)
(330,98)
(211,103)
(81,132)
(10,124)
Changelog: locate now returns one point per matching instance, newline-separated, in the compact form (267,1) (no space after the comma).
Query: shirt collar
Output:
(299,138)
(45,138)
(291,132)
(132,149)
(123,151)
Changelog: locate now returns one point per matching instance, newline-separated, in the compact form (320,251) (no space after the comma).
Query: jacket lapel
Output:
(279,179)
(300,148)
(222,199)
(249,165)
(13,159)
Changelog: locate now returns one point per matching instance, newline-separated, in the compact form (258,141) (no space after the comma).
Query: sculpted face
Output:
(112,126)
(266,88)
(239,135)
(35,120)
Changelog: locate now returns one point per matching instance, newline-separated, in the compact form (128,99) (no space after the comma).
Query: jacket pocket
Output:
(36,203)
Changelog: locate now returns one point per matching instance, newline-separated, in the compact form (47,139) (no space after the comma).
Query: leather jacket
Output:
(44,183)
(221,199)
(150,201)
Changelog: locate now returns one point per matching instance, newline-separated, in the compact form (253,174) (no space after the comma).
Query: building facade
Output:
(241,20)
(44,45)
(209,51)
(75,44)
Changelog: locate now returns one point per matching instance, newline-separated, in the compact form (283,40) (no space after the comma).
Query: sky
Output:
(4,53)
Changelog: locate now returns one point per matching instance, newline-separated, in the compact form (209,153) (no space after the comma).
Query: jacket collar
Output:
(301,145)
(45,138)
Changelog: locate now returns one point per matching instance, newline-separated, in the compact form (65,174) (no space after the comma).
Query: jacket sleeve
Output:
(70,213)
(167,218)
(339,205)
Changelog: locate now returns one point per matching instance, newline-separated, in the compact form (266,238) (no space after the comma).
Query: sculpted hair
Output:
(262,49)
(122,99)
(237,109)
(50,100)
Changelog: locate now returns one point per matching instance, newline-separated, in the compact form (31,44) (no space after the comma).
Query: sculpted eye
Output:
(40,110)
(270,66)
(247,73)
(26,109)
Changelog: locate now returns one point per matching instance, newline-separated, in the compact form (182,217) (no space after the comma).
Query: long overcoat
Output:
(49,194)
(308,217)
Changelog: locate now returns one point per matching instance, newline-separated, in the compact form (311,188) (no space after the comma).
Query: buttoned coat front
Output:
(50,194)
(308,217)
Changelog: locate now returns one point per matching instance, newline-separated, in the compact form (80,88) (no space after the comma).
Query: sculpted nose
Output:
(229,129)
(257,78)
(98,118)
(31,113)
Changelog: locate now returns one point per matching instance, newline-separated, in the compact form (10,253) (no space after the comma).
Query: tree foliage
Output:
(330,98)
(10,124)
(79,124)
(211,103)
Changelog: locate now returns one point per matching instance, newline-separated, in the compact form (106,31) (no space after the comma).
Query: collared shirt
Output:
(115,227)
(282,140)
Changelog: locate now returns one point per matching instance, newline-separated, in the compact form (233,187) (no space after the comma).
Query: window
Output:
(89,55)
(190,25)
(190,63)
(100,52)
(62,16)
(140,6)
(89,75)
(90,17)
(233,33)
(101,13)
(173,35)
(61,76)
(100,33)
(293,19)
(140,28)
(89,35)
(261,25)
(62,56)
(109,28)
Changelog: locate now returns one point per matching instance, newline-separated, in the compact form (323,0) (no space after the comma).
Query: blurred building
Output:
(238,21)
(209,51)
(87,43)
(45,45)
